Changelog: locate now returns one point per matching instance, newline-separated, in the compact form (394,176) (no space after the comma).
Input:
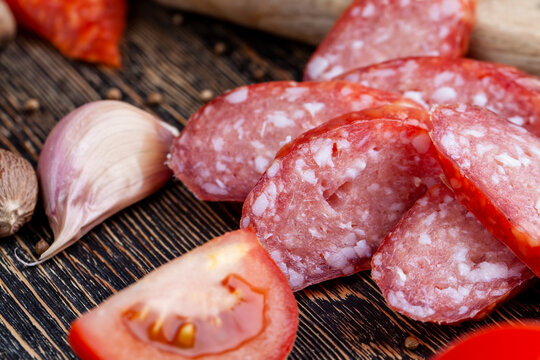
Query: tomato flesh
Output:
(243,320)
(225,299)
(497,343)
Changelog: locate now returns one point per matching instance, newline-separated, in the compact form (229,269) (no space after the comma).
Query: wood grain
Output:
(341,319)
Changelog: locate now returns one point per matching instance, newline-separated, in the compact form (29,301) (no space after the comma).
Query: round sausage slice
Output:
(502,89)
(440,264)
(328,199)
(370,32)
(494,168)
(228,144)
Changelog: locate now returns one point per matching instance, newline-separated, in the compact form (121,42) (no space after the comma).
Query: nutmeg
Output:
(18,192)
(8,27)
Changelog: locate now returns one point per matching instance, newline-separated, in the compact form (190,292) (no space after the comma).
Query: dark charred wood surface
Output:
(341,319)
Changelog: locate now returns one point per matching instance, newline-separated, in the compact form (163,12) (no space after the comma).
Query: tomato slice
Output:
(507,342)
(225,299)
(80,29)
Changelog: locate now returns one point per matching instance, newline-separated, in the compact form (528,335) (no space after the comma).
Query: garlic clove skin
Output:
(99,159)
(18,192)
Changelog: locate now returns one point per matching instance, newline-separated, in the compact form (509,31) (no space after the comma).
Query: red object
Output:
(494,169)
(431,81)
(328,199)
(440,264)
(224,300)
(80,29)
(508,342)
(227,144)
(371,32)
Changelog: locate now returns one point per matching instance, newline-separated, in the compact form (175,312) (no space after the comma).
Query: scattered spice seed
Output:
(220,48)
(41,247)
(411,343)
(178,19)
(114,94)
(31,105)
(206,95)
(154,99)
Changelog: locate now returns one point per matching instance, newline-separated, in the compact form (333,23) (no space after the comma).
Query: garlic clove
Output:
(18,192)
(99,159)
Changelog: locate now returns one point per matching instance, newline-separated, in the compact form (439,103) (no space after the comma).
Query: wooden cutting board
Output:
(342,319)
(507,31)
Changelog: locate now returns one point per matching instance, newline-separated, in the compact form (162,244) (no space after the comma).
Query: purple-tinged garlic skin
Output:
(99,159)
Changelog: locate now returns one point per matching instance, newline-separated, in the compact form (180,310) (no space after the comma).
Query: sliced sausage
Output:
(371,32)
(328,199)
(228,144)
(494,168)
(440,264)
(503,89)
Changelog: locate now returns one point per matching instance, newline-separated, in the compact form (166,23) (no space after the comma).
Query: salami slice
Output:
(328,199)
(228,144)
(503,89)
(494,168)
(440,264)
(371,32)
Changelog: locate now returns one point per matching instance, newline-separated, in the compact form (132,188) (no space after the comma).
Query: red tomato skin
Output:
(80,29)
(277,337)
(508,342)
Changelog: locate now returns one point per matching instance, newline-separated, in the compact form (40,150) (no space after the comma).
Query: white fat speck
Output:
(257,144)
(276,255)
(294,93)
(369,10)
(495,179)
(424,239)
(350,238)
(401,274)
(313,108)
(273,169)
(261,163)
(214,189)
(404,3)
(279,119)
(324,155)
(449,141)
(377,260)
(362,249)
(416,96)
(335,71)
(355,10)
(317,66)
(465,164)
(537,206)
(450,7)
(463,309)
(346,91)
(373,187)
(314,233)
(298,114)
(286,141)
(245,222)
(417,181)
(460,254)
(309,176)
(421,143)
(443,78)
(507,160)
(220,166)
(518,120)
(237,96)
(481,149)
(480,99)
(428,220)
(488,271)
(357,44)
(217,144)
(444,31)
(221,184)
(295,279)
(475,132)
(340,259)
(259,205)
(444,95)
(397,299)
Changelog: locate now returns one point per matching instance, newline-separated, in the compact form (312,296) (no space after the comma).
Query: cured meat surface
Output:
(440,264)
(502,89)
(328,199)
(229,143)
(494,168)
(80,29)
(370,32)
